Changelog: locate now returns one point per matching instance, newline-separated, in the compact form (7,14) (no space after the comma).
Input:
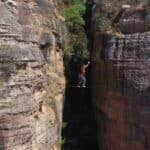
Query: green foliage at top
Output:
(73,12)
(76,50)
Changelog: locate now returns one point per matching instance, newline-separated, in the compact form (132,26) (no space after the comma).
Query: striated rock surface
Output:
(121,83)
(31,74)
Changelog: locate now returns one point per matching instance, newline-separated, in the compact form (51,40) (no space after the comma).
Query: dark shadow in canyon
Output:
(80,132)
(80,127)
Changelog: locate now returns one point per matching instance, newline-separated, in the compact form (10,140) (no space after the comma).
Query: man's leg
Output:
(83,81)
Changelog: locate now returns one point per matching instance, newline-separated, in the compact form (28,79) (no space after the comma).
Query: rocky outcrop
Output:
(121,83)
(31,74)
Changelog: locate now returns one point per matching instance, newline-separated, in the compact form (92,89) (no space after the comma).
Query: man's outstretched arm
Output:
(87,64)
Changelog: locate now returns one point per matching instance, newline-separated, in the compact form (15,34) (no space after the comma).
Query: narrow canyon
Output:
(41,110)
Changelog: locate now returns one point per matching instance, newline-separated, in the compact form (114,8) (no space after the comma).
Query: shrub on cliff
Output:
(73,12)
(76,50)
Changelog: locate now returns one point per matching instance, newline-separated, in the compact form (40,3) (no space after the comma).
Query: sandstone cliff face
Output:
(31,74)
(121,83)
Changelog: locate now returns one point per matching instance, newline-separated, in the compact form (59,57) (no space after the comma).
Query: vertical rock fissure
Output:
(79,124)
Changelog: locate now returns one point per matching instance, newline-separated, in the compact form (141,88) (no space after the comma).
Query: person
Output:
(82,75)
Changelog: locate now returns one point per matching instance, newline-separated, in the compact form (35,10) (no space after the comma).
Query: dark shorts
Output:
(82,79)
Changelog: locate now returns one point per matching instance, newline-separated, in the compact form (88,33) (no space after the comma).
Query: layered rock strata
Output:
(121,83)
(31,74)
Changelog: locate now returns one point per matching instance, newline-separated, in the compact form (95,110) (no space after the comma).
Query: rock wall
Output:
(121,82)
(31,74)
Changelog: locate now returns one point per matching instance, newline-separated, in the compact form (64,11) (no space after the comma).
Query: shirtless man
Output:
(82,75)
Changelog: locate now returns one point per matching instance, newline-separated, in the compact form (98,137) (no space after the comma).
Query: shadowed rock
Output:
(121,81)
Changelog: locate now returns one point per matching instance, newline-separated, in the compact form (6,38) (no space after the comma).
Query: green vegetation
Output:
(76,50)
(61,141)
(73,12)
(64,125)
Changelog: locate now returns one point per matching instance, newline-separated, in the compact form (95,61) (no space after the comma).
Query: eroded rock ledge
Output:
(121,81)
(31,74)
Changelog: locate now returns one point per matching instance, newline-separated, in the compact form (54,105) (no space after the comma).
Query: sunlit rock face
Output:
(31,74)
(121,85)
